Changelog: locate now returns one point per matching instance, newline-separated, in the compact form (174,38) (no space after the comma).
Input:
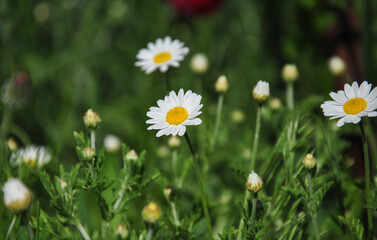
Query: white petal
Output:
(372,95)
(349,91)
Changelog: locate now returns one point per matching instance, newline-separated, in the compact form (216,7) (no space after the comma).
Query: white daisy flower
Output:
(175,112)
(17,196)
(162,54)
(352,103)
(261,91)
(31,155)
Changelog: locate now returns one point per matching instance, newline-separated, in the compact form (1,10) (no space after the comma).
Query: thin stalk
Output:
(174,158)
(200,181)
(218,116)
(120,195)
(256,136)
(11,226)
(367,179)
(254,208)
(175,215)
(253,160)
(290,97)
(5,124)
(150,232)
(38,222)
(314,220)
(92,139)
(81,229)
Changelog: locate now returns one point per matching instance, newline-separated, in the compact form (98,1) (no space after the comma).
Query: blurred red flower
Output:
(195,7)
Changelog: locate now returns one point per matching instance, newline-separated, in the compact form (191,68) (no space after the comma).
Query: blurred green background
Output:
(81,54)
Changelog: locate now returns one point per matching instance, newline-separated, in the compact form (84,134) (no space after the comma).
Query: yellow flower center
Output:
(162,57)
(177,115)
(355,106)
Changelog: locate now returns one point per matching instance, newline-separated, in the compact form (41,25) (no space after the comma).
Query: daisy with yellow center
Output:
(161,55)
(352,104)
(174,113)
(31,155)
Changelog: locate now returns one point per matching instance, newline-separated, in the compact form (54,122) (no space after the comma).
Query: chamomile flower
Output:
(17,196)
(162,54)
(175,112)
(352,104)
(31,155)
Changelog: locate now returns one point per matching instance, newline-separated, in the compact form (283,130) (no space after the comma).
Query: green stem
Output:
(11,226)
(200,181)
(253,160)
(5,124)
(93,139)
(290,94)
(367,179)
(314,220)
(217,122)
(167,81)
(256,136)
(174,159)
(81,229)
(175,215)
(150,232)
(254,208)
(38,222)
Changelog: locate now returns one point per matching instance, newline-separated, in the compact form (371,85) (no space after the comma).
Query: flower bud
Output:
(112,143)
(17,196)
(169,192)
(221,85)
(238,116)
(42,12)
(12,144)
(121,231)
(275,103)
(88,153)
(336,66)
(174,142)
(199,63)
(151,213)
(309,161)
(132,155)
(289,73)
(254,182)
(261,91)
(91,119)
(63,184)
(16,91)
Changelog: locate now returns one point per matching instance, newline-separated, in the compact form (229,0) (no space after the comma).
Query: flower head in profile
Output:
(175,112)
(261,91)
(162,54)
(254,182)
(352,104)
(17,196)
(31,155)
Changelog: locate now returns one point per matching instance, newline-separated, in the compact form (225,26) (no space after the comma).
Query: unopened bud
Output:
(112,143)
(254,182)
(17,196)
(121,231)
(199,63)
(275,103)
(132,155)
(12,144)
(174,142)
(151,213)
(337,66)
(221,85)
(88,153)
(169,192)
(63,184)
(91,119)
(309,161)
(238,116)
(289,73)
(261,91)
